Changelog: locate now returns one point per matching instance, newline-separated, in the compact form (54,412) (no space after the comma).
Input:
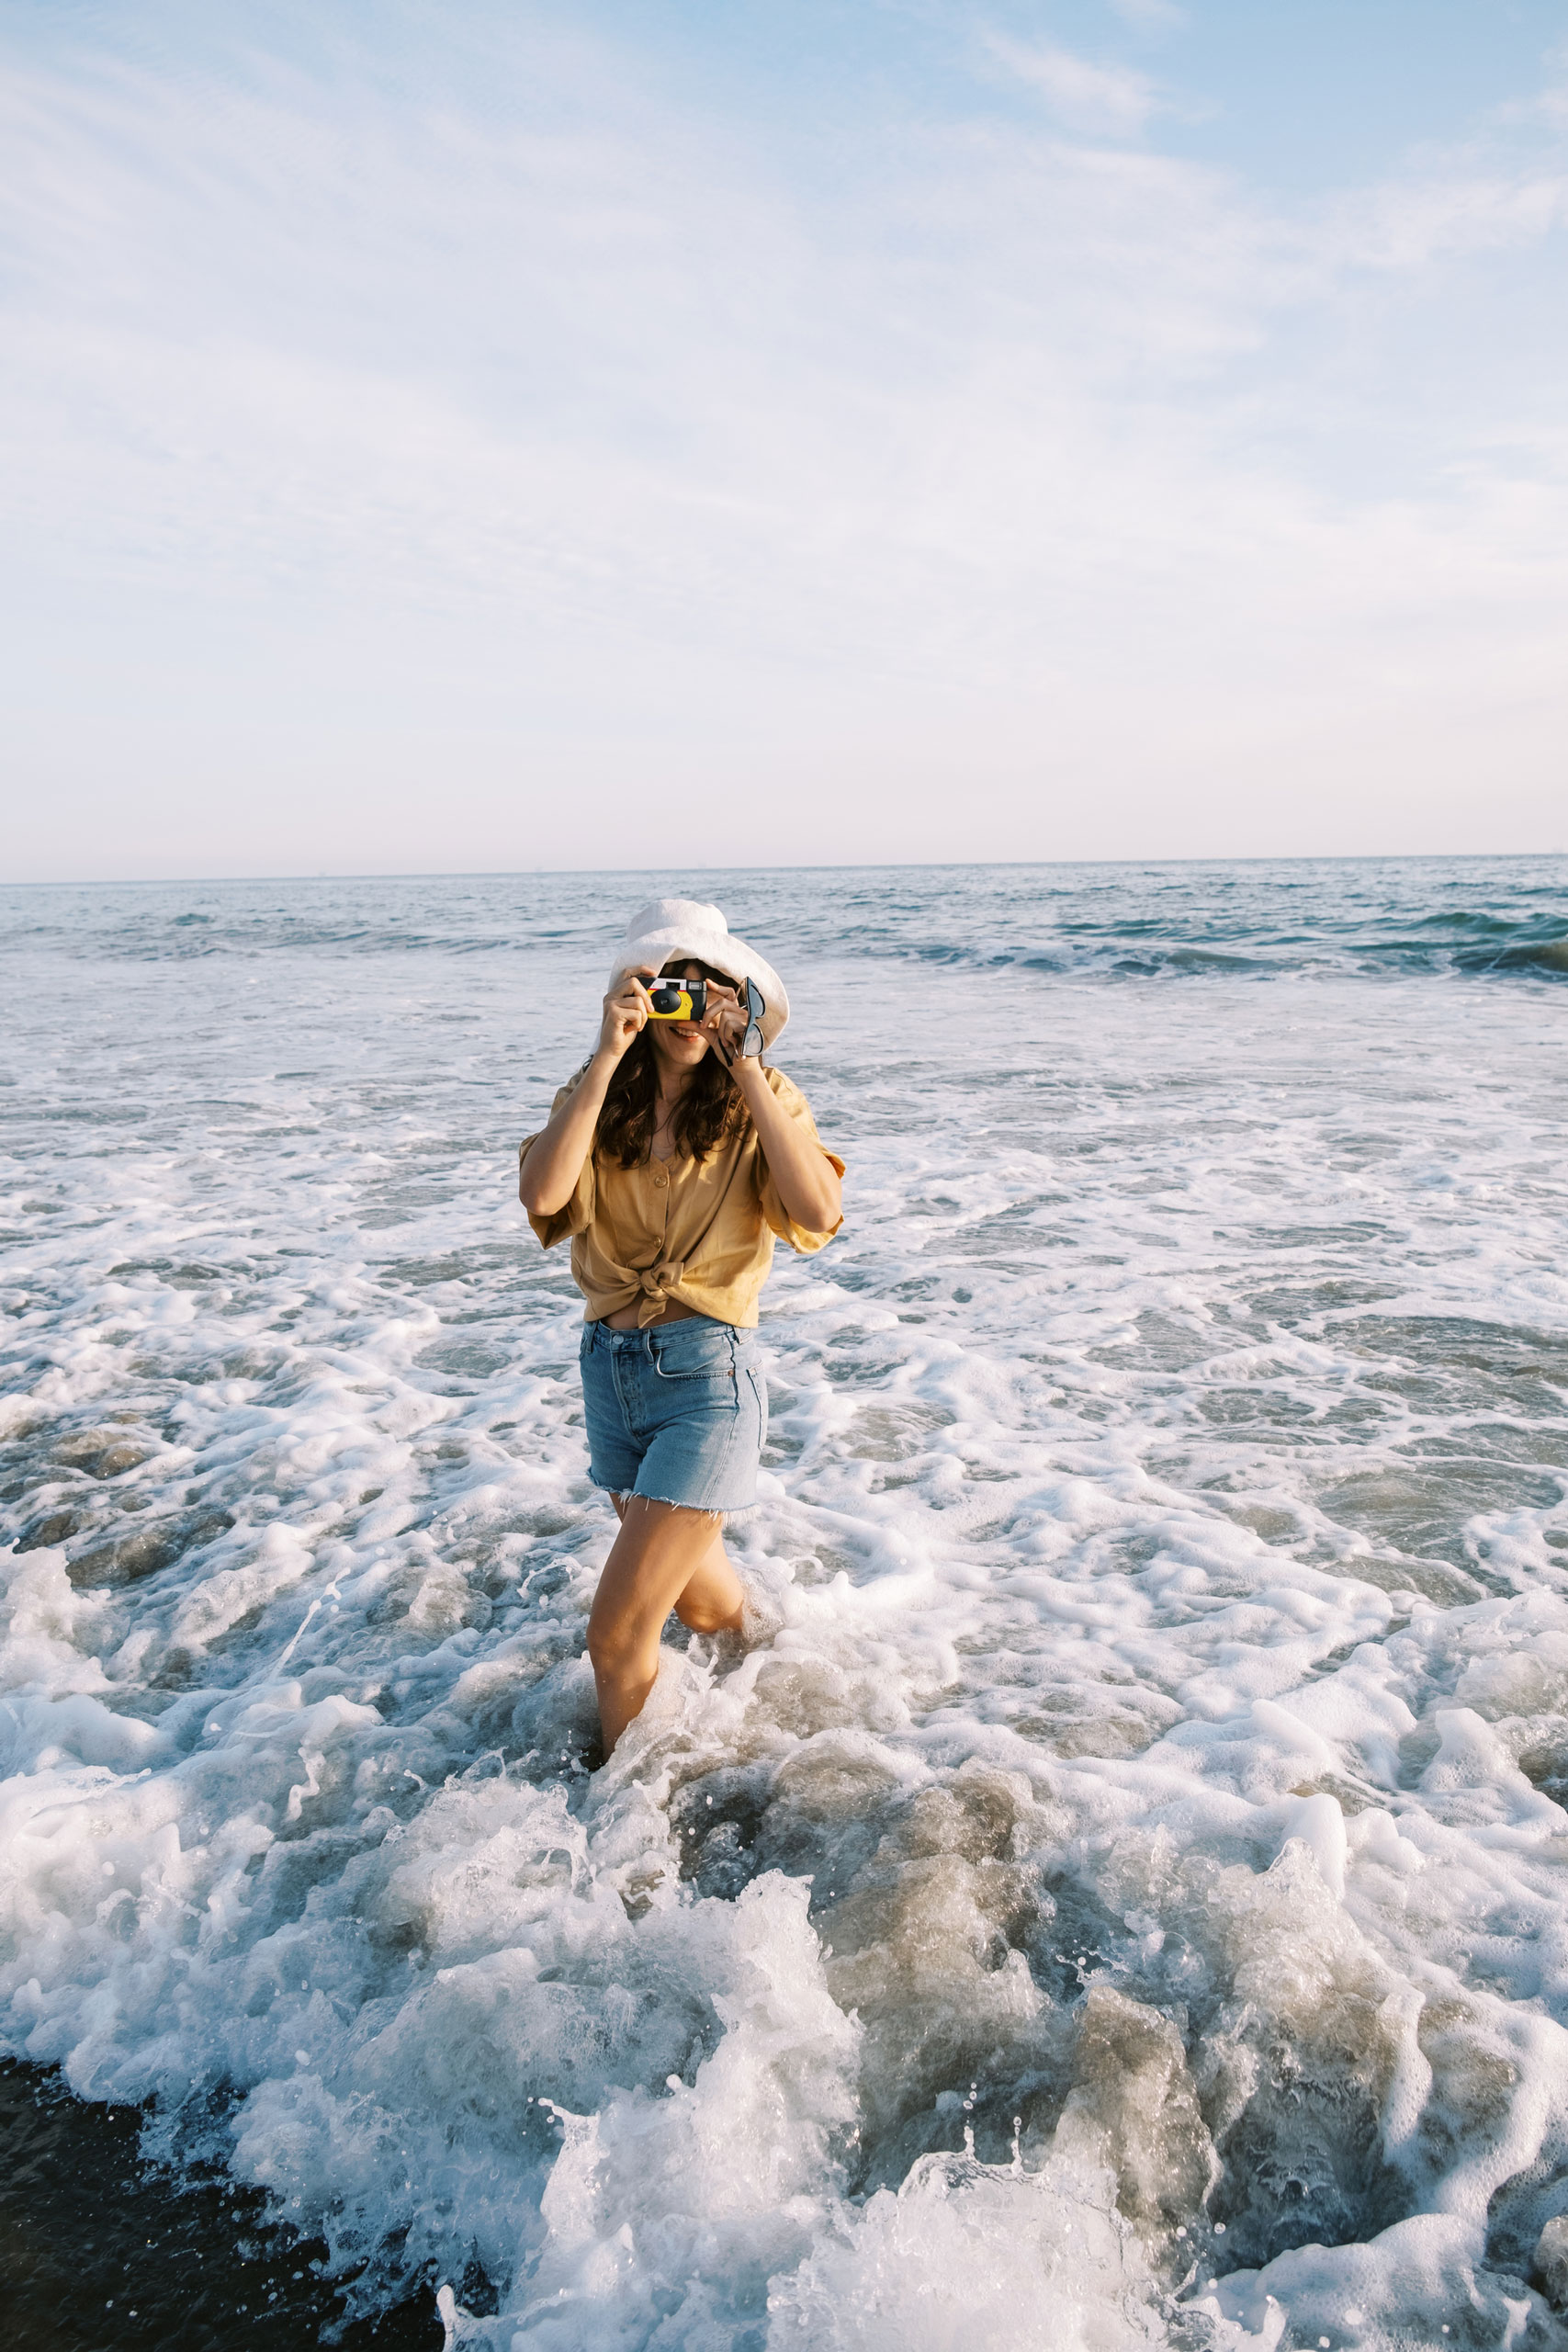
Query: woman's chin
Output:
(685,1052)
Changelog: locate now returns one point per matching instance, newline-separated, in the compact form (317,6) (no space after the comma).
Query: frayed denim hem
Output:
(677,1502)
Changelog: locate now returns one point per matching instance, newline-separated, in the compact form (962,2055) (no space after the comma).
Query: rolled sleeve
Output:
(577,1214)
(799,1237)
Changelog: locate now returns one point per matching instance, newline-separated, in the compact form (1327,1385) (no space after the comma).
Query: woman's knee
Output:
(607,1644)
(707,1615)
(616,1643)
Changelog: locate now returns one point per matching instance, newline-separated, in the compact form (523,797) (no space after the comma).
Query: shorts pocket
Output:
(696,1351)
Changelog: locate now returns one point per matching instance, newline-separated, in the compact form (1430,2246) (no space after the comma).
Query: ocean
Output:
(1127,1906)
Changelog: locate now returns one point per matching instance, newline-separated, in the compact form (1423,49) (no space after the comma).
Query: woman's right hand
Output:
(626,1013)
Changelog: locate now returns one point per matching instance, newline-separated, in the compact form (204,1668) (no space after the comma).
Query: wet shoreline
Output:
(100,2250)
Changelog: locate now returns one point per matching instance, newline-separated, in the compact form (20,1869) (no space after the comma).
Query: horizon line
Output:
(867,865)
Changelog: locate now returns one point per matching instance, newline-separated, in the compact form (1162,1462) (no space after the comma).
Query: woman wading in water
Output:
(672,1158)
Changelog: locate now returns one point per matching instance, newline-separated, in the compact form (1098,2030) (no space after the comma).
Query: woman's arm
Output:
(807,1180)
(549,1173)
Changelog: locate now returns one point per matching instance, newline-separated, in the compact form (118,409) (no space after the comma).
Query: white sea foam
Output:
(1125,1902)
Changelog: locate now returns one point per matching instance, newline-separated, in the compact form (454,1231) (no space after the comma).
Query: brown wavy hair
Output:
(710,1109)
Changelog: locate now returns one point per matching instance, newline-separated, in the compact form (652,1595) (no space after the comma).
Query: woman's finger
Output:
(626,1011)
(724,1029)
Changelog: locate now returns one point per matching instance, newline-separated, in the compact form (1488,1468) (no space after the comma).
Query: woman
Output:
(672,1158)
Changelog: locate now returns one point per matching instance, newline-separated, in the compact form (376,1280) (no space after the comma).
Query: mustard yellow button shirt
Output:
(697,1232)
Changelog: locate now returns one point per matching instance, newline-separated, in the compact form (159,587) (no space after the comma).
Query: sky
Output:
(482,436)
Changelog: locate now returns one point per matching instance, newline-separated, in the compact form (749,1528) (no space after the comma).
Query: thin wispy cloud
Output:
(1426,217)
(1114,100)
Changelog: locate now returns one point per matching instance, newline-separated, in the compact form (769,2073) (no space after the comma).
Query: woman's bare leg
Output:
(665,1557)
(713,1596)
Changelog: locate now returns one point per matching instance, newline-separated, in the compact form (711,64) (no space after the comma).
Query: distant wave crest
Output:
(1468,918)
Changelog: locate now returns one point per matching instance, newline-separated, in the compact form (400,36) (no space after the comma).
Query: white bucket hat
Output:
(670,927)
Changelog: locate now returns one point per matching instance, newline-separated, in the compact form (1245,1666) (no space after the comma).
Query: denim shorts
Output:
(678,1412)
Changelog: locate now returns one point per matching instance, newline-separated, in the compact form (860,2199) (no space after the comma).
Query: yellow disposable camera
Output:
(678,999)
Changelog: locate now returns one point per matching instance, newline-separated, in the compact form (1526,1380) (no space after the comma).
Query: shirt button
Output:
(659,1178)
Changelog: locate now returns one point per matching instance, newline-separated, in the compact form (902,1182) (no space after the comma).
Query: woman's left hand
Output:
(724,1023)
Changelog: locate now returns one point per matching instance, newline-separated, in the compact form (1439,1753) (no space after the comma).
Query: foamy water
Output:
(1124,1906)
